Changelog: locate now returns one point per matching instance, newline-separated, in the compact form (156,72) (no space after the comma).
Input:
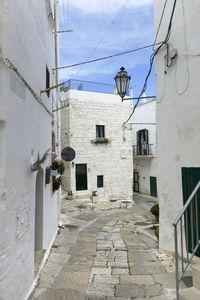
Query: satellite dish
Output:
(68,154)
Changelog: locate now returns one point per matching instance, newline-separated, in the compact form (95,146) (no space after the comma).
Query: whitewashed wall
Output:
(145,118)
(178,109)
(113,160)
(25,130)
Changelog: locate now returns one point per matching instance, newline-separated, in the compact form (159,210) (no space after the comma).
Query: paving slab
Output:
(136,279)
(149,268)
(98,255)
(132,291)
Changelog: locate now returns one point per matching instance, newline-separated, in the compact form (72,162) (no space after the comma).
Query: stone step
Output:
(196,275)
(189,294)
(83,198)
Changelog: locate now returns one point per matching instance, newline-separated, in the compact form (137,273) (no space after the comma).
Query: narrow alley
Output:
(102,252)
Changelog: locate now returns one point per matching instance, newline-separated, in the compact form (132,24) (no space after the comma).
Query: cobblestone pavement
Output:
(100,253)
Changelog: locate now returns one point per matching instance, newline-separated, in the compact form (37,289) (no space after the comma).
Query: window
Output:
(100,131)
(47,81)
(142,142)
(100,181)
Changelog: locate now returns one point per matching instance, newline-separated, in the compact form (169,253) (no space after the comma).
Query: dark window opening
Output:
(100,131)
(142,142)
(100,181)
(47,81)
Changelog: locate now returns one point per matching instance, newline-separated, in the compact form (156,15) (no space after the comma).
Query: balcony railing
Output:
(143,149)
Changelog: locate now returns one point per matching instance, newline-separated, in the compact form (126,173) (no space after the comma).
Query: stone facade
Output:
(112,160)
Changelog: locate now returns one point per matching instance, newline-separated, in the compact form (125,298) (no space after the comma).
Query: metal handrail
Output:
(192,211)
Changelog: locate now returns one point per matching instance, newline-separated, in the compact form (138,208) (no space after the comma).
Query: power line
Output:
(11,66)
(163,11)
(102,37)
(152,57)
(107,57)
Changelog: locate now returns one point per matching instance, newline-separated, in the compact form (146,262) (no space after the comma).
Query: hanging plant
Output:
(57,164)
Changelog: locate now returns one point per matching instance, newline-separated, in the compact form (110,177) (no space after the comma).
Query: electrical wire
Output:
(186,58)
(66,20)
(102,37)
(161,18)
(152,57)
(107,57)
(10,65)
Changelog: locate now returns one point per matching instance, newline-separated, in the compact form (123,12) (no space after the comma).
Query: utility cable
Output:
(107,57)
(152,57)
(102,37)
(186,57)
(10,65)
(66,21)
(161,18)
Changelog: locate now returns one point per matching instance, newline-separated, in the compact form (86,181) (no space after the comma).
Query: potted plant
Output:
(56,183)
(70,195)
(102,140)
(155,211)
(58,165)
(156,231)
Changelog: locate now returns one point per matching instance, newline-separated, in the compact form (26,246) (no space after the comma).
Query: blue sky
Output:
(102,28)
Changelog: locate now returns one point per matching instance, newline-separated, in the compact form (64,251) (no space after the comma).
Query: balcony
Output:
(143,150)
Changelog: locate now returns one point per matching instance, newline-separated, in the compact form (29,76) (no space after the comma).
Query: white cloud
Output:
(105,6)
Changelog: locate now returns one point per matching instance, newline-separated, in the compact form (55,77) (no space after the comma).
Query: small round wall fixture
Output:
(122,82)
(68,154)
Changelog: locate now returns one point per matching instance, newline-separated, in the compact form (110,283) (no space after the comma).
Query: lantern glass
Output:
(122,82)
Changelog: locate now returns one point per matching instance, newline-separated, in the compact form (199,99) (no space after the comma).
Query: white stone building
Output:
(107,168)
(144,148)
(28,208)
(178,111)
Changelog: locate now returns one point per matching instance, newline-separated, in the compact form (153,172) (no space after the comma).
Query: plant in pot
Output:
(58,165)
(155,211)
(56,183)
(156,231)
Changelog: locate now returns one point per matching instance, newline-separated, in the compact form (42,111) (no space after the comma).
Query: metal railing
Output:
(89,86)
(190,217)
(143,149)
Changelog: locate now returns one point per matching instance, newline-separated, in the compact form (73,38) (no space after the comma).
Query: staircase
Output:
(187,243)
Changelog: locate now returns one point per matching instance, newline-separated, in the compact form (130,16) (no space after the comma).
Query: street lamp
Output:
(122,82)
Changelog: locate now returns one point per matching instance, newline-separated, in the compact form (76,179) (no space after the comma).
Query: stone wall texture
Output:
(112,160)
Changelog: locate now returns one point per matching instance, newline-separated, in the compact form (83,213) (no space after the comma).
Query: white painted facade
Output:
(178,109)
(113,160)
(145,162)
(27,40)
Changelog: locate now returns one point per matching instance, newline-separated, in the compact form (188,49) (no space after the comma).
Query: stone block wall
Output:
(112,160)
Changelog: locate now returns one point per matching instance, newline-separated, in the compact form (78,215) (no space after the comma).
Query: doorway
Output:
(81,177)
(153,186)
(190,178)
(136,182)
(39,219)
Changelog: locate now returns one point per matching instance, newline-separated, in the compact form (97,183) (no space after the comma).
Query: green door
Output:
(190,178)
(153,186)
(136,182)
(81,177)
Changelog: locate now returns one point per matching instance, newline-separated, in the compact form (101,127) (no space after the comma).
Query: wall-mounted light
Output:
(122,80)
